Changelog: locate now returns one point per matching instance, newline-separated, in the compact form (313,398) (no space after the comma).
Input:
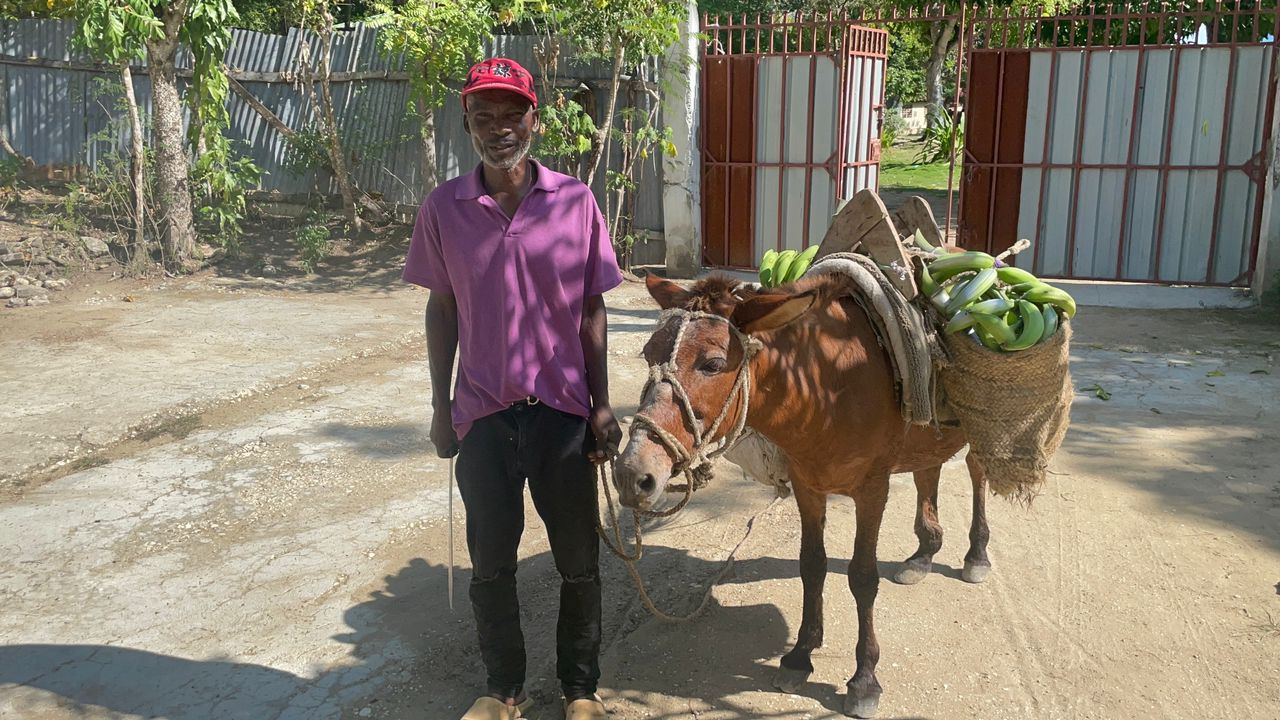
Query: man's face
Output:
(501,125)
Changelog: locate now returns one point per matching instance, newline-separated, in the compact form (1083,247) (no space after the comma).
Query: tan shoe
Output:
(491,708)
(588,708)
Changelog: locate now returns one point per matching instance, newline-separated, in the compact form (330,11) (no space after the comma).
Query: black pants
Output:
(497,455)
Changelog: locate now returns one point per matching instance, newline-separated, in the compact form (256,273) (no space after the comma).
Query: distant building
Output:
(916,117)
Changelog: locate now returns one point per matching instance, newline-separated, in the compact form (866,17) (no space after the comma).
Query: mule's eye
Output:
(712,366)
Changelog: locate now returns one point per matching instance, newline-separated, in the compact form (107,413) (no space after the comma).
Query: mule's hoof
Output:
(863,706)
(790,680)
(912,572)
(975,571)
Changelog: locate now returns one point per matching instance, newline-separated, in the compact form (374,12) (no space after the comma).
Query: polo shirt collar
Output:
(471,186)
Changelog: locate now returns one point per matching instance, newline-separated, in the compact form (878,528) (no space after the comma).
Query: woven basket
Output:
(1013,407)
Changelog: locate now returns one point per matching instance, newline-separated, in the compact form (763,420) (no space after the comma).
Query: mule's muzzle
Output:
(641,474)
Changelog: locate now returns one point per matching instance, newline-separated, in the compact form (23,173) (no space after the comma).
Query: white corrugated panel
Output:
(1190,133)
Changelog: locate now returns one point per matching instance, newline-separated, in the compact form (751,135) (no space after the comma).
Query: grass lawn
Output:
(898,170)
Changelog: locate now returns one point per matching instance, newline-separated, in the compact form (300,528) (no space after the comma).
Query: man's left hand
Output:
(608,434)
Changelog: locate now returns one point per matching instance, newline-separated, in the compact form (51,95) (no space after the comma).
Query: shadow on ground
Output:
(411,656)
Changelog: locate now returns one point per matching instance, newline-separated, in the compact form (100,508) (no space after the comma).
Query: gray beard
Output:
(522,152)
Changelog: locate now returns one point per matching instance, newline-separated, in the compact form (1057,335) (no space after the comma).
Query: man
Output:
(517,258)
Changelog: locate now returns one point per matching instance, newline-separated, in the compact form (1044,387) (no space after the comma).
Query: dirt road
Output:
(219,501)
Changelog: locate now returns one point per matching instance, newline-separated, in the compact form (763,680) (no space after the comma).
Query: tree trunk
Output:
(604,133)
(5,147)
(9,150)
(942,39)
(627,169)
(138,171)
(427,134)
(336,156)
(172,171)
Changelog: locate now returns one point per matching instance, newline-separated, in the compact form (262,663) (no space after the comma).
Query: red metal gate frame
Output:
(932,12)
(830,35)
(990,33)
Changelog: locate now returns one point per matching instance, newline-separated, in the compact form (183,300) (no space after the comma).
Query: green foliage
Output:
(207,32)
(111,186)
(115,30)
(72,217)
(220,181)
(306,151)
(567,130)
(10,170)
(439,40)
(639,139)
(69,217)
(641,143)
(750,7)
(623,33)
(225,182)
(314,241)
(904,80)
(24,9)
(943,138)
(265,16)
(599,28)
(891,128)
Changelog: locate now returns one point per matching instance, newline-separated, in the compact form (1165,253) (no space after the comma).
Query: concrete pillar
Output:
(681,198)
(1268,263)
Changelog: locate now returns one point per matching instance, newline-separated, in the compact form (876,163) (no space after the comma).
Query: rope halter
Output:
(696,461)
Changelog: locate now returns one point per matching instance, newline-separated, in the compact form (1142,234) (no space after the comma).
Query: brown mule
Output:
(821,388)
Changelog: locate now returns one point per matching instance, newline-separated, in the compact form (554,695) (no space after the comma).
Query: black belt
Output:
(527,402)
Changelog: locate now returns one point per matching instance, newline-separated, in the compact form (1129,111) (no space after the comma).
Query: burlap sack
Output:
(1013,407)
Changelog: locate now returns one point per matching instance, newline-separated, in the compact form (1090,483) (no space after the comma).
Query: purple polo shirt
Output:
(520,284)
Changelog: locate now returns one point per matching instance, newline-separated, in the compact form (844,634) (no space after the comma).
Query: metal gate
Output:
(790,123)
(1125,146)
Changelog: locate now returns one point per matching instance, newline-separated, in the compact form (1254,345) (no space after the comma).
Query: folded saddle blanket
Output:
(901,328)
(913,346)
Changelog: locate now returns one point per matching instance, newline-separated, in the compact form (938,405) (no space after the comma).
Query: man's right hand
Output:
(443,435)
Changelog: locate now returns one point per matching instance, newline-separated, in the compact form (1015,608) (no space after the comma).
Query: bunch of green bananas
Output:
(780,268)
(1004,308)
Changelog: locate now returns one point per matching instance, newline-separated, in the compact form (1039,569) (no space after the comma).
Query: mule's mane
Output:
(716,293)
(712,295)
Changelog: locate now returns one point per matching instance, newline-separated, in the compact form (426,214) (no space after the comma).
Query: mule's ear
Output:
(666,293)
(763,313)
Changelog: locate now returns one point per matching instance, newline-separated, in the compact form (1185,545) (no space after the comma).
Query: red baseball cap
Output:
(499,74)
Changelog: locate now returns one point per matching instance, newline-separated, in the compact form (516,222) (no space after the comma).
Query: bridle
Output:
(696,461)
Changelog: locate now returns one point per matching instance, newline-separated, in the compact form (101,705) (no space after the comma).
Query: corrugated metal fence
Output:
(1184,173)
(1127,146)
(791,124)
(61,110)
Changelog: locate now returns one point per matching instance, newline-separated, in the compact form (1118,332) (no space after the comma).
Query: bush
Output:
(891,128)
(314,241)
(9,169)
(221,185)
(942,138)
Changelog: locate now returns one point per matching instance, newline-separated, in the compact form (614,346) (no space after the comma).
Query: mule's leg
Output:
(864,582)
(976,564)
(928,529)
(795,667)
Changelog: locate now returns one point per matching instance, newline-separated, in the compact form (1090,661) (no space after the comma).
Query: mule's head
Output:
(696,396)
